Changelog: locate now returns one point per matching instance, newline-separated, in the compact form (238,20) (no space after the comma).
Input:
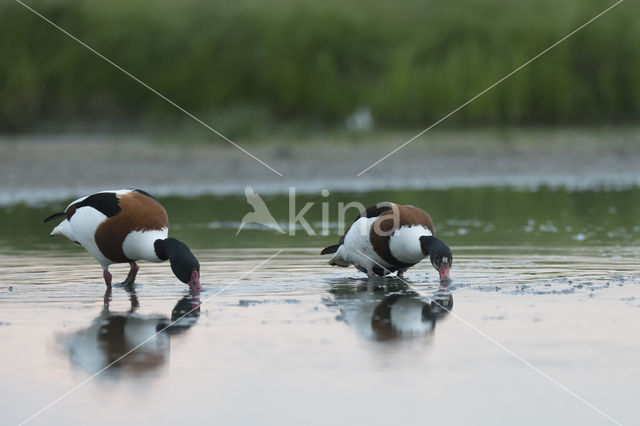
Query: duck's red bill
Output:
(444,273)
(194,282)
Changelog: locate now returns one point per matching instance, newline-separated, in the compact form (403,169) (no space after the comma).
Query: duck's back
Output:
(396,233)
(130,234)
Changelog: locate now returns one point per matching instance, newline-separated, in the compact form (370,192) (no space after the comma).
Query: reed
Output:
(251,64)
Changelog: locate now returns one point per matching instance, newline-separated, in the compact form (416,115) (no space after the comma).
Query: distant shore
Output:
(44,168)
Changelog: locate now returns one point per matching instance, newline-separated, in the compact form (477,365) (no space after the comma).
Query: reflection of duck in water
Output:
(395,310)
(113,334)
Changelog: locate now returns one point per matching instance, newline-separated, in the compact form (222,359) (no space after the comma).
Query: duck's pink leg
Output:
(131,277)
(107,277)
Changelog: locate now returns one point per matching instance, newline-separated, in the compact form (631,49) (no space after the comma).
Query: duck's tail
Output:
(330,249)
(54,217)
(63,229)
(339,261)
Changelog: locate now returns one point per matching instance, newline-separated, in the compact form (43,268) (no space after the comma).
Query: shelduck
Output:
(125,226)
(390,237)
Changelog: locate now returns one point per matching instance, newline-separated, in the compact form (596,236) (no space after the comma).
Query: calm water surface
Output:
(550,276)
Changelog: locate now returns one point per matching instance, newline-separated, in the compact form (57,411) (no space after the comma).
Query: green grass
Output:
(249,66)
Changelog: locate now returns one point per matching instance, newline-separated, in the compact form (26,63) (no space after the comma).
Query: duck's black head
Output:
(439,253)
(184,264)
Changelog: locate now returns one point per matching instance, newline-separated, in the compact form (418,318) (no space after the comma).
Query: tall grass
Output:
(254,62)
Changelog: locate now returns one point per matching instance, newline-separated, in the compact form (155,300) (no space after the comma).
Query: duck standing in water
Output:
(390,237)
(125,226)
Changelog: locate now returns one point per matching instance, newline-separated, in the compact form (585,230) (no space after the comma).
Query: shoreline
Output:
(42,168)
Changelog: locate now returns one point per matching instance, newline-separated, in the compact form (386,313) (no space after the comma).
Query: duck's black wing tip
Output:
(330,249)
(143,192)
(54,217)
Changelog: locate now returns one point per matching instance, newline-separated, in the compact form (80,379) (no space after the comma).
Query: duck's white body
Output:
(357,248)
(384,239)
(81,228)
(138,245)
(404,243)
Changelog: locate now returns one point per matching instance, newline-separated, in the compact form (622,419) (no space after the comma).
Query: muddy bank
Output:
(41,168)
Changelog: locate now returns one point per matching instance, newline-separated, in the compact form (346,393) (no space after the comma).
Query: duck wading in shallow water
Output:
(390,237)
(125,226)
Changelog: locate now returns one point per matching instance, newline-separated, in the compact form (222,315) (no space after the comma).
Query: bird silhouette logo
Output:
(260,214)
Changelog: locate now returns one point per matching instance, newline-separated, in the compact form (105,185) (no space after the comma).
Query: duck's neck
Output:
(184,264)
(428,243)
(158,245)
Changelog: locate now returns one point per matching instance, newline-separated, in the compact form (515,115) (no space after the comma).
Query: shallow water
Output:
(298,342)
